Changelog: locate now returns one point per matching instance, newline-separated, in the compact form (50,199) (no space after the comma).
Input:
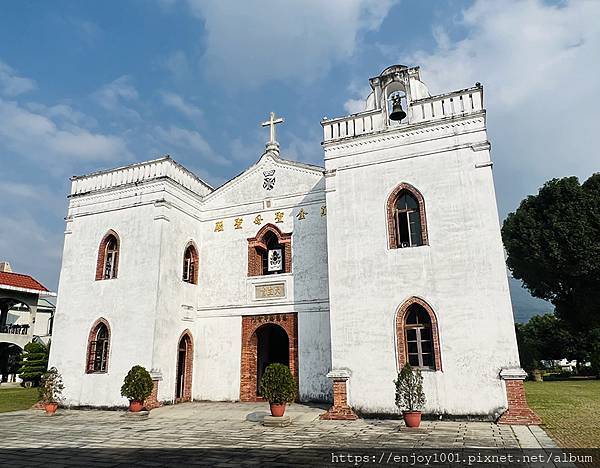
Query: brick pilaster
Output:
(340,409)
(152,401)
(518,411)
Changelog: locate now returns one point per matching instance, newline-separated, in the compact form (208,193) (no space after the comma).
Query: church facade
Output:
(390,253)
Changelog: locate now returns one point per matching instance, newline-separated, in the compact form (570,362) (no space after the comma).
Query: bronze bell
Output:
(397,111)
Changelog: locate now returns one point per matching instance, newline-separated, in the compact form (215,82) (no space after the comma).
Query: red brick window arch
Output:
(190,264)
(270,252)
(98,346)
(406,220)
(109,254)
(417,335)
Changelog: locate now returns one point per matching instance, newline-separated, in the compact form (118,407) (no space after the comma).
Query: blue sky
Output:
(92,85)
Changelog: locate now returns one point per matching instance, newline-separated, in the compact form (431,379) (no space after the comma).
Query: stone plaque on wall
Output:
(269,291)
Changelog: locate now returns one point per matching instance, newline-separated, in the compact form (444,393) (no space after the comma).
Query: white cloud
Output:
(352,106)
(249,43)
(116,95)
(37,136)
(191,142)
(539,65)
(11,84)
(62,112)
(305,148)
(30,246)
(176,102)
(178,64)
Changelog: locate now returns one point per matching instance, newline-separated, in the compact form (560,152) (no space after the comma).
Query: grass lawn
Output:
(570,410)
(13,399)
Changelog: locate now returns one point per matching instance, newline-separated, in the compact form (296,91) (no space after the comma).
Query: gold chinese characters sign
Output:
(269,291)
(258,220)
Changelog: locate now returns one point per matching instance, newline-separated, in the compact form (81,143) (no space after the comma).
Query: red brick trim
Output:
(195,259)
(189,365)
(518,411)
(340,409)
(389,210)
(400,332)
(102,254)
(256,245)
(89,369)
(249,360)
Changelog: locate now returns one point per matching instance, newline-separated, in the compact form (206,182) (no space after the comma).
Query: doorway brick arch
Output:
(185,342)
(249,358)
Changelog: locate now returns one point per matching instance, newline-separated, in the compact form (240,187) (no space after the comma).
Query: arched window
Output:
(108,257)
(190,265)
(418,337)
(407,226)
(273,257)
(98,343)
(270,252)
(417,334)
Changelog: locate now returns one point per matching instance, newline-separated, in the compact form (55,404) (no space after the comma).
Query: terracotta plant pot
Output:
(136,406)
(412,418)
(50,407)
(277,409)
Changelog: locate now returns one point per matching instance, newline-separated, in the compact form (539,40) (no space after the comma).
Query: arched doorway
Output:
(183,376)
(272,345)
(10,357)
(266,339)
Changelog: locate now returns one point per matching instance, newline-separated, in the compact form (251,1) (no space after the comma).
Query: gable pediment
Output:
(270,177)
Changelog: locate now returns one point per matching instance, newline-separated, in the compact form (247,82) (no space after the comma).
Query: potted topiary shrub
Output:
(51,387)
(278,387)
(137,386)
(409,395)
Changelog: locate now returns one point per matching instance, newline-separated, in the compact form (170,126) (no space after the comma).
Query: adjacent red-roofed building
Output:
(20,282)
(25,315)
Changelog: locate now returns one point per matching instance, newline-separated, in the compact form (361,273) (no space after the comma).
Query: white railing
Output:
(140,172)
(352,125)
(461,102)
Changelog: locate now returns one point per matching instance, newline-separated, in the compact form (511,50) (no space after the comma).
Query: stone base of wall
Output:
(340,409)
(518,411)
(340,414)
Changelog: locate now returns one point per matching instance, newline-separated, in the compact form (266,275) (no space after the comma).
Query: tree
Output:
(137,385)
(543,338)
(34,362)
(546,338)
(552,242)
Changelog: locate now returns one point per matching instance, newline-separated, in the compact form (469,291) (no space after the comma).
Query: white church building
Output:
(390,253)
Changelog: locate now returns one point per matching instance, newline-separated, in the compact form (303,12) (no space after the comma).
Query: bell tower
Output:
(412,228)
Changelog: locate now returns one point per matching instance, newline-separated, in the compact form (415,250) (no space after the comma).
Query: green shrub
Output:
(277,384)
(51,386)
(137,384)
(588,371)
(562,375)
(34,362)
(409,389)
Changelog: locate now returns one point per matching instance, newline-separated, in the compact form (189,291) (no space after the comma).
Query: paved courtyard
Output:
(231,434)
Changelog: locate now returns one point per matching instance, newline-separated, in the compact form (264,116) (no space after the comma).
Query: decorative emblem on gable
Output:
(269,181)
